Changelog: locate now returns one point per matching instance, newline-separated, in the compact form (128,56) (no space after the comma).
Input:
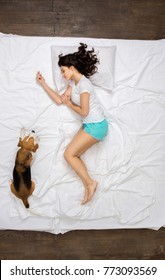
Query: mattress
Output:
(129,163)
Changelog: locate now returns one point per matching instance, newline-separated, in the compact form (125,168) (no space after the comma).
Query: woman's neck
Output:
(77,77)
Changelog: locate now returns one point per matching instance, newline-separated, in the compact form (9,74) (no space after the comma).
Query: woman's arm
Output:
(83,109)
(53,94)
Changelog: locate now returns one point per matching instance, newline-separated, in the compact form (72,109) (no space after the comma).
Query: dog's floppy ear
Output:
(20,142)
(35,148)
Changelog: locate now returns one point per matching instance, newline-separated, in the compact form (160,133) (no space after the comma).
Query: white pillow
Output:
(102,78)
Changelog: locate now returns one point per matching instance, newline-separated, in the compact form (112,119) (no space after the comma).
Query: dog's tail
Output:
(25,202)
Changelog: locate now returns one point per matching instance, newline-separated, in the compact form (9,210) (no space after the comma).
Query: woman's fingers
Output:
(64,98)
(39,77)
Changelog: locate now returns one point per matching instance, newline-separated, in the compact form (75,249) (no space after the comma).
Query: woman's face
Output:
(67,72)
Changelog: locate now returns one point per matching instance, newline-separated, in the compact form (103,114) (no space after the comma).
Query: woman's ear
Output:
(72,68)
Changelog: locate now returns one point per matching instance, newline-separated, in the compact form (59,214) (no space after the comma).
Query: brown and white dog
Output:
(22,186)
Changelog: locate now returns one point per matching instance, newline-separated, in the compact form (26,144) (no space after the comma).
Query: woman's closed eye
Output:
(62,71)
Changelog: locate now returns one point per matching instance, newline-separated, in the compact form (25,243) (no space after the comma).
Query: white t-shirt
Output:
(96,113)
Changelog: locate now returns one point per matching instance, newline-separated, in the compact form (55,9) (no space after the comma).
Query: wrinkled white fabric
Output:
(128,164)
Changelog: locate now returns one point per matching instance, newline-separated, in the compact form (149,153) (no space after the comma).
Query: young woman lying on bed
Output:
(81,98)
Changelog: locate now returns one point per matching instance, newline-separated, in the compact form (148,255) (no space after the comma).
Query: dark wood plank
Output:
(27,245)
(27,23)
(26,5)
(148,19)
(26,18)
(28,29)
(113,244)
(91,18)
(147,7)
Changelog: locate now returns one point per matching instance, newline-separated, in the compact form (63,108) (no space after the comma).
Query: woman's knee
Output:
(67,155)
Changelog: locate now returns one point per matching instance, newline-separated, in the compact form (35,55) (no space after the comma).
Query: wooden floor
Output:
(82,245)
(124,19)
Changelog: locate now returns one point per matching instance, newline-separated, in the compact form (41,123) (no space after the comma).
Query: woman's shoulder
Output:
(85,85)
(86,81)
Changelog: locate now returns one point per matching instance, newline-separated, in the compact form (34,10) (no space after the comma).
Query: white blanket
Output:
(129,164)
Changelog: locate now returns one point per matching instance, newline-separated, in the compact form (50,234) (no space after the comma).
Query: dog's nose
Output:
(33,131)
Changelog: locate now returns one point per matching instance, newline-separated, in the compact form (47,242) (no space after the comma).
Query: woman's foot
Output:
(85,199)
(89,192)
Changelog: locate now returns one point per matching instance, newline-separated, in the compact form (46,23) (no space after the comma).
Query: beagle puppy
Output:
(22,186)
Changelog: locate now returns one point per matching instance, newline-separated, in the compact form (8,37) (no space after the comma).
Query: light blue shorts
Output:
(98,129)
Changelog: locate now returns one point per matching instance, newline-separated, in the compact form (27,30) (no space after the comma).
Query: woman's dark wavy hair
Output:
(83,60)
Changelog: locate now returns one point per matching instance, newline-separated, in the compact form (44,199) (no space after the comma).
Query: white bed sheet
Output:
(129,164)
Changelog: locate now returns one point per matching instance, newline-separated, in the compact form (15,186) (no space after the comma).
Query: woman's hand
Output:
(66,96)
(68,91)
(52,93)
(40,78)
(65,99)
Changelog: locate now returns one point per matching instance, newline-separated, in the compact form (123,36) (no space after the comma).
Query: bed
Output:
(129,164)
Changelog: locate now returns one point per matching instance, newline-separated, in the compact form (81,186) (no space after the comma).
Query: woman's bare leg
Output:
(80,143)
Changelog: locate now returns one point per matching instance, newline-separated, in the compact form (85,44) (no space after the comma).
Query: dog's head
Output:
(28,141)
